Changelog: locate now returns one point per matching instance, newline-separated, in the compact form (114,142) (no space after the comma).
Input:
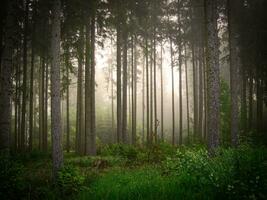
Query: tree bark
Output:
(173,111)
(124,88)
(161,92)
(92,136)
(234,71)
(213,74)
(88,87)
(187,95)
(147,92)
(25,75)
(119,119)
(6,80)
(57,154)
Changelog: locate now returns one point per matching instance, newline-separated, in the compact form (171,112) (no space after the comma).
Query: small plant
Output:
(70,180)
(12,184)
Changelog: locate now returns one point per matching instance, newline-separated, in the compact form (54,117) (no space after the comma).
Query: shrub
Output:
(12,184)
(69,180)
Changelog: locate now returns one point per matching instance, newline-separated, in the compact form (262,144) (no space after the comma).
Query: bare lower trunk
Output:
(173,113)
(6,81)
(124,88)
(161,92)
(119,122)
(25,73)
(57,154)
(234,72)
(92,136)
(213,74)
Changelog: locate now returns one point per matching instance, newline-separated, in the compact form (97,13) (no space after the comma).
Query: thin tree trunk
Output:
(41,104)
(173,111)
(67,63)
(180,80)
(161,92)
(147,93)
(45,134)
(200,94)
(80,102)
(88,88)
(119,119)
(151,92)
(143,100)
(134,79)
(250,98)
(155,86)
(25,75)
(124,87)
(92,135)
(187,95)
(31,100)
(244,117)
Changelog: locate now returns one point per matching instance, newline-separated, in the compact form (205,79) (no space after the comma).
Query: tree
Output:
(118,29)
(57,154)
(124,85)
(213,74)
(92,147)
(6,79)
(25,72)
(234,69)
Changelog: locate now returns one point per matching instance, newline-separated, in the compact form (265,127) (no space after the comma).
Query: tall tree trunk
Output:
(88,87)
(124,88)
(151,92)
(187,95)
(134,80)
(213,74)
(147,93)
(244,115)
(25,74)
(119,118)
(17,101)
(6,80)
(195,99)
(31,100)
(161,92)
(80,100)
(250,103)
(67,63)
(143,100)
(92,136)
(234,71)
(57,154)
(200,92)
(155,85)
(45,134)
(173,111)
(41,103)
(180,79)
(259,95)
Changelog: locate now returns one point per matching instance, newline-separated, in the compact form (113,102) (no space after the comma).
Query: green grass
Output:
(126,172)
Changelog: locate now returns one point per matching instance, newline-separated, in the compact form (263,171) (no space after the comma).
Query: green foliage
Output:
(153,172)
(69,180)
(130,155)
(231,173)
(11,179)
(144,183)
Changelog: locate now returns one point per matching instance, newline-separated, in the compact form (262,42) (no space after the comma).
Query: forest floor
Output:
(127,172)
